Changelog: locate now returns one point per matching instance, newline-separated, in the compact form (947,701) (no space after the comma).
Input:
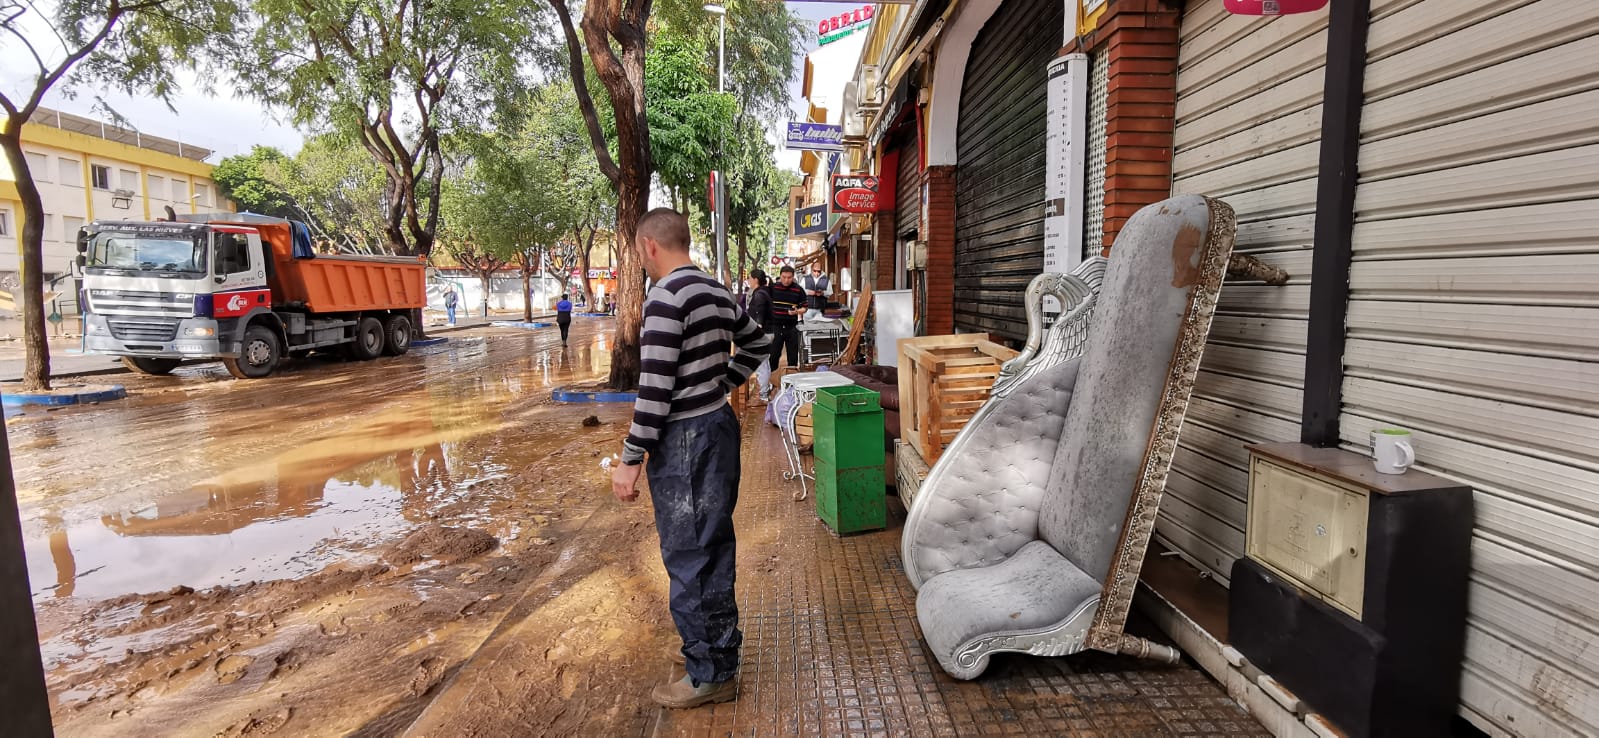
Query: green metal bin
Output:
(849,459)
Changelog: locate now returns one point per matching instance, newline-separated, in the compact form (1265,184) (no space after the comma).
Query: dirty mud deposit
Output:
(310,554)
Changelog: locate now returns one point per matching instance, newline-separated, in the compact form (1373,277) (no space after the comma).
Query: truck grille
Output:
(143,329)
(134,302)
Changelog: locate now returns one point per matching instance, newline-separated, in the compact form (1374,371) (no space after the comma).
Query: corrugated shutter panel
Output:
(1474,321)
(999,196)
(908,190)
(1094,177)
(1248,124)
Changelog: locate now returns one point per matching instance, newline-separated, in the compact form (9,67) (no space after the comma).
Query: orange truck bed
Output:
(344,283)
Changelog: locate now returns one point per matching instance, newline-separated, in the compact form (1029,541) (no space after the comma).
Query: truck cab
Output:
(171,291)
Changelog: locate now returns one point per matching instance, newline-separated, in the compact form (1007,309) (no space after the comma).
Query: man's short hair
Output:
(667,227)
(786,270)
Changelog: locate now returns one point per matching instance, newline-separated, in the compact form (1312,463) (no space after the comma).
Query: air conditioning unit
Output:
(871,76)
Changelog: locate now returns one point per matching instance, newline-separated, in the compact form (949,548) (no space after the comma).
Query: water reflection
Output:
(271,481)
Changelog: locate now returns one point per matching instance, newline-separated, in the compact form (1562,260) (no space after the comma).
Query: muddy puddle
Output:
(198,483)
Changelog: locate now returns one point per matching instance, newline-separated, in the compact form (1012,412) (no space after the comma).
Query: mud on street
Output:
(313,553)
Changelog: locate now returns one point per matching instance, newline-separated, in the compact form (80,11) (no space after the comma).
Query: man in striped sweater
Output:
(683,424)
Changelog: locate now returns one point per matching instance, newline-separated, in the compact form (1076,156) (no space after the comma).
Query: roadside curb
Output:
(572,397)
(519,324)
(71,396)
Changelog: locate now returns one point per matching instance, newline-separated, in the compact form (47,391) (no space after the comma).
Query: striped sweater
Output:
(690,321)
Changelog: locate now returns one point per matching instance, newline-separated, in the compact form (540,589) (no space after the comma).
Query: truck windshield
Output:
(158,253)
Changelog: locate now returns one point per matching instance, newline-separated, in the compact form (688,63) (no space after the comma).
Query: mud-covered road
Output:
(306,554)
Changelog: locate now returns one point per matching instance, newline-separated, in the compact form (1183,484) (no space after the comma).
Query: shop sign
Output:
(1066,162)
(810,221)
(814,137)
(855,193)
(843,24)
(1272,7)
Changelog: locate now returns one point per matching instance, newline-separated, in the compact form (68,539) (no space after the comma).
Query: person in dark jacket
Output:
(563,316)
(788,304)
(759,308)
(450,301)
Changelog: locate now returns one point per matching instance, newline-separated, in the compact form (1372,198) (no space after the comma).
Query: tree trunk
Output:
(527,287)
(488,285)
(743,255)
(36,368)
(583,263)
(631,204)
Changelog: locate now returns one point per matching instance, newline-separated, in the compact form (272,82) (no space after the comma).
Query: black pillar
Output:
(1335,219)
(24,704)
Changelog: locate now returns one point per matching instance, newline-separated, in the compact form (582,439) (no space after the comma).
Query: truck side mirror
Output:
(83,261)
(83,242)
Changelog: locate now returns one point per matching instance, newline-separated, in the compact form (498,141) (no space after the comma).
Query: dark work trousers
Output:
(784,336)
(693,475)
(564,320)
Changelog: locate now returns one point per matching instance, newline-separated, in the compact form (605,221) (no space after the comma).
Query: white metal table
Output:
(801,389)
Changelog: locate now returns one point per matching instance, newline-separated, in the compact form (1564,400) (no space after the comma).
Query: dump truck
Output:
(249,290)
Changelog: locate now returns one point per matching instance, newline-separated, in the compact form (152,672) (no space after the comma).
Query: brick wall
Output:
(939,216)
(1139,38)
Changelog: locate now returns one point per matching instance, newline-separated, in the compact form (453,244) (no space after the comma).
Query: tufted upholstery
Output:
(1142,306)
(1035,588)
(1028,533)
(986,507)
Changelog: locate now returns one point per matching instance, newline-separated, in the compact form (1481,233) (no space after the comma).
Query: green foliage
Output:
(337,188)
(764,43)
(523,195)
(687,117)
(243,179)
(395,75)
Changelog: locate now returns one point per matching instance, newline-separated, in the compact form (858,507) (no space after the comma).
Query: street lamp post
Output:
(719,191)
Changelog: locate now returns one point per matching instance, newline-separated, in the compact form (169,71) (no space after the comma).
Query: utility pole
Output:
(719,185)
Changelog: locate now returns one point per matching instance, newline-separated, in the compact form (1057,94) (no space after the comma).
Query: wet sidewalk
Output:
(831,646)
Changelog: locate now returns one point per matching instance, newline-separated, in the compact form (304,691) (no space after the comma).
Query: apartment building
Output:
(86,169)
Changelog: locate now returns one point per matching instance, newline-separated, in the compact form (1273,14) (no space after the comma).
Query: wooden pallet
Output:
(943,381)
(909,471)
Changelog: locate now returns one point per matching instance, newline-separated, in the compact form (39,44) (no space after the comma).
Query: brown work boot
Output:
(682,693)
(675,654)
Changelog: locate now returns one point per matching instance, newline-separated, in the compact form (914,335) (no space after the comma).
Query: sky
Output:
(228,125)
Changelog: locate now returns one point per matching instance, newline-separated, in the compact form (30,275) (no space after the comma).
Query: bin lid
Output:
(848,400)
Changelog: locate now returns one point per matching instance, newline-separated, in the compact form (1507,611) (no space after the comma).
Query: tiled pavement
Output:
(832,647)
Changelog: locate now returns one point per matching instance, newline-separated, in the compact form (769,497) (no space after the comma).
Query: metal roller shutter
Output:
(908,190)
(1248,127)
(999,195)
(1474,321)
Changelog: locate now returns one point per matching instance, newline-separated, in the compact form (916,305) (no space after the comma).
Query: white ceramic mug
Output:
(1391,451)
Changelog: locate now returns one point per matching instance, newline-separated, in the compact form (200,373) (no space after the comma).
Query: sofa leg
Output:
(1146,649)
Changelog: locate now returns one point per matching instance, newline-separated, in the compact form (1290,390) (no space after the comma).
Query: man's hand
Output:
(624,481)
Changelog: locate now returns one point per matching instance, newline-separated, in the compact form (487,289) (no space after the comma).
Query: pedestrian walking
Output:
(760,311)
(450,301)
(816,286)
(563,317)
(787,304)
(683,425)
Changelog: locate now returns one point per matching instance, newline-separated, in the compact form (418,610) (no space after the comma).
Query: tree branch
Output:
(585,100)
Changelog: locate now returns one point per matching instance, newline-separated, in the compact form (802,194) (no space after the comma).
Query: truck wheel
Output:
(150,365)
(368,339)
(258,354)
(396,335)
